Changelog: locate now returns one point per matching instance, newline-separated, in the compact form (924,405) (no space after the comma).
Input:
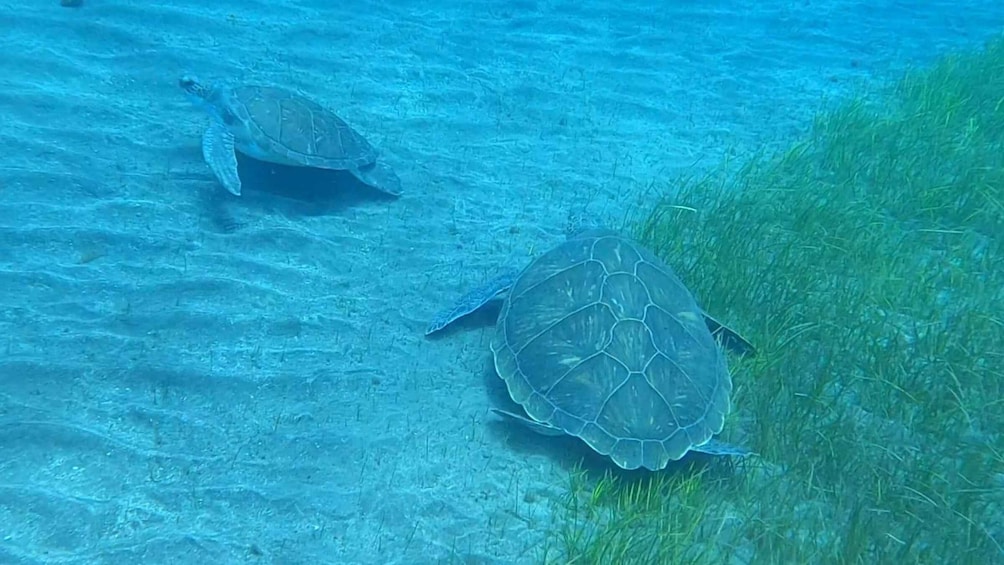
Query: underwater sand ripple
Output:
(268,391)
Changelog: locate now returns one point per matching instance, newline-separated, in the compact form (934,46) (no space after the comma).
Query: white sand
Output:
(174,393)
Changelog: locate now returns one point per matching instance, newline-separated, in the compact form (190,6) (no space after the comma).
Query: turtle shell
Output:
(599,338)
(289,128)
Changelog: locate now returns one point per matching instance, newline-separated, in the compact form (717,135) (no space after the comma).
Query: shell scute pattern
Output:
(602,340)
(303,130)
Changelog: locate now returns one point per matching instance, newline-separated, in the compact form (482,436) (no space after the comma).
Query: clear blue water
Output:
(192,377)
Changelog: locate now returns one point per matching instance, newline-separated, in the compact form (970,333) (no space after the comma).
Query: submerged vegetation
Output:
(867,264)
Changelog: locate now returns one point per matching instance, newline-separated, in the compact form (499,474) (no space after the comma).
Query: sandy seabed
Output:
(190,377)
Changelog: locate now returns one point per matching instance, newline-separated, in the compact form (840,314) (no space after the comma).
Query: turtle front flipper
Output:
(380,176)
(538,427)
(218,151)
(473,300)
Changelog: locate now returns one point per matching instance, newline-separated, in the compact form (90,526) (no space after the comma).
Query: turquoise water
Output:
(193,377)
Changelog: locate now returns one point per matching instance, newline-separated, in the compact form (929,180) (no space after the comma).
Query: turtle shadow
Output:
(289,191)
(302,190)
(571,453)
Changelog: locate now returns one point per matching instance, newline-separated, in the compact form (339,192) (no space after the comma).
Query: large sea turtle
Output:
(599,339)
(278,126)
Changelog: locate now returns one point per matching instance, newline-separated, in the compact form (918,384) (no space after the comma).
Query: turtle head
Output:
(583,225)
(193,87)
(214,99)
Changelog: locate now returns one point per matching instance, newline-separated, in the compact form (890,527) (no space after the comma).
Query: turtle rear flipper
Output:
(473,300)
(729,338)
(379,176)
(542,429)
(715,447)
(218,151)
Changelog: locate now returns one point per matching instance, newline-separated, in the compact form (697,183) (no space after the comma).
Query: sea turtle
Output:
(599,339)
(278,126)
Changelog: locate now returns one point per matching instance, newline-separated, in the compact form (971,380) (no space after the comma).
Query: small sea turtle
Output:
(599,339)
(278,126)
